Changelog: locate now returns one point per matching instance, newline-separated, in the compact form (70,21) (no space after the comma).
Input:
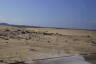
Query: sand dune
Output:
(24,44)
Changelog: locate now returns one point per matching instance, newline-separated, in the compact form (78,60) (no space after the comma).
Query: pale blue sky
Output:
(50,13)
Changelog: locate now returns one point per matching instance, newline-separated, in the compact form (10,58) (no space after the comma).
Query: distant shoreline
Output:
(28,26)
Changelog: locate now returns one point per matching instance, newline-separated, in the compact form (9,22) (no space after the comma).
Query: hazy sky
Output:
(52,13)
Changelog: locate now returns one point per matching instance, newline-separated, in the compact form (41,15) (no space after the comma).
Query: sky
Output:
(80,14)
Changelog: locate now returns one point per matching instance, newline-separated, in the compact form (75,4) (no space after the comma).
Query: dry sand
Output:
(25,44)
